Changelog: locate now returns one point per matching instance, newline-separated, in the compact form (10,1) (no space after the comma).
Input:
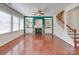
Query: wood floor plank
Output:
(38,45)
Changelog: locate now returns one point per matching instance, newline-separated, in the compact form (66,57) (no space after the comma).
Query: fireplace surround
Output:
(38,31)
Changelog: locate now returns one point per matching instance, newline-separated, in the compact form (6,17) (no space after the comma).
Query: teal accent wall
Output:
(36,18)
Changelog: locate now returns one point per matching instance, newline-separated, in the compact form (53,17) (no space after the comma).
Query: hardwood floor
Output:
(38,45)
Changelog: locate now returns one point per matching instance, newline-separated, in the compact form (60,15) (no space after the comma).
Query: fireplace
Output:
(38,31)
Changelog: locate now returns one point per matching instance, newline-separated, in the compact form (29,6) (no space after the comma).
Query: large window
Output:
(21,24)
(5,22)
(15,23)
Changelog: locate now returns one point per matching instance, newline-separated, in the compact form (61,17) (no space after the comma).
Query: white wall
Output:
(60,32)
(70,18)
(73,19)
(63,33)
(5,38)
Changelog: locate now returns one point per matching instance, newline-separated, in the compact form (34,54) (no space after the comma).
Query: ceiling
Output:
(27,9)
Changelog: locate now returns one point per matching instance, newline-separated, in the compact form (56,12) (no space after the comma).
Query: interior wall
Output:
(69,19)
(5,38)
(73,21)
(59,31)
(73,18)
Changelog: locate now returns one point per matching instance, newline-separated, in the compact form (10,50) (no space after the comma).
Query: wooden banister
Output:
(73,30)
(75,38)
(70,28)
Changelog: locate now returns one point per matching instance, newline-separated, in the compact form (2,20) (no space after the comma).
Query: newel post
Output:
(75,38)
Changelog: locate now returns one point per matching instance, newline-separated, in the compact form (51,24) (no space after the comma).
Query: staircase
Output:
(71,32)
(74,35)
(60,19)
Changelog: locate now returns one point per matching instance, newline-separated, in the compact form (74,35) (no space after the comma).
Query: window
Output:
(21,24)
(15,23)
(5,22)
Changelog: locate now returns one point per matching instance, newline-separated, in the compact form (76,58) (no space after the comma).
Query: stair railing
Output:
(74,31)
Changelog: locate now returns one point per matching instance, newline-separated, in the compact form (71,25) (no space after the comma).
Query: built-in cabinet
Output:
(38,24)
(48,25)
(29,25)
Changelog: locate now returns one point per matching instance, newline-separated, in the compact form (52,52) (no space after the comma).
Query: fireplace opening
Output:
(38,31)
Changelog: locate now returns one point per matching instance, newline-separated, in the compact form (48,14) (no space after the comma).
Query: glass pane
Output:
(5,22)
(15,23)
(21,24)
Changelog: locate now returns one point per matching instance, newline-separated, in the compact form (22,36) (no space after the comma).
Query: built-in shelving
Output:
(48,25)
(43,22)
(29,25)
